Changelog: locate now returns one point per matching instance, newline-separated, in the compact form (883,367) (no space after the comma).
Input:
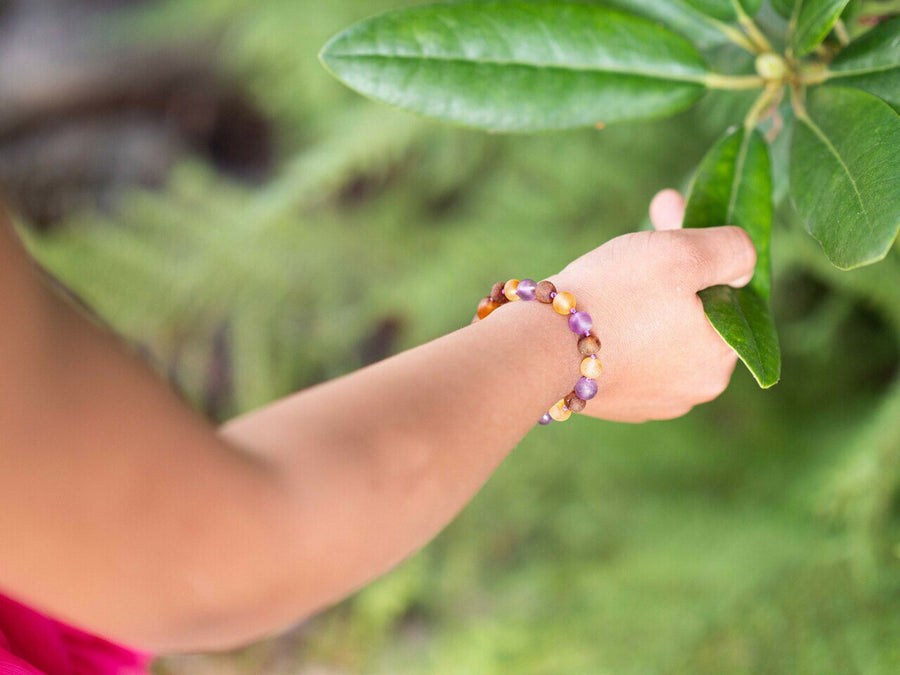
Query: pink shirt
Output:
(33,644)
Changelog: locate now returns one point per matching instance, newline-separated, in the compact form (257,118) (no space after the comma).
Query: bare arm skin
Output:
(126,514)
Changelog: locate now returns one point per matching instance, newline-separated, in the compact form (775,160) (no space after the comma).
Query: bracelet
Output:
(580,323)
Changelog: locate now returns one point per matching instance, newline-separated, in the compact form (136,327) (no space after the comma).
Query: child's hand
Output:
(660,354)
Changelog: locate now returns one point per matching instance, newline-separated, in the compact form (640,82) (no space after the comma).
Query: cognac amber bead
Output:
(486,306)
(591,368)
(543,291)
(575,404)
(509,289)
(589,344)
(564,303)
(559,411)
(497,292)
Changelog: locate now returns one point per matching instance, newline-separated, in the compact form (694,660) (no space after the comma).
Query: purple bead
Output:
(585,389)
(526,288)
(545,419)
(580,323)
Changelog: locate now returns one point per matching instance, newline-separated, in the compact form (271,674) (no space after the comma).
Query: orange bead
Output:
(486,306)
(509,289)
(564,302)
(559,411)
(591,368)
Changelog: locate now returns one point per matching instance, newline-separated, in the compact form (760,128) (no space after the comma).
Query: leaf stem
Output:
(735,36)
(814,75)
(792,26)
(841,33)
(759,106)
(798,103)
(880,8)
(734,82)
(749,26)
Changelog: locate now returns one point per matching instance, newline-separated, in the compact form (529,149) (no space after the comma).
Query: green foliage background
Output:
(760,534)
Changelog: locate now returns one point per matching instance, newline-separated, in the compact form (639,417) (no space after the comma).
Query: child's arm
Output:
(126,514)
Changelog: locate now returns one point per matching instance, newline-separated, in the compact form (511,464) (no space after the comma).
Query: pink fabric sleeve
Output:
(33,644)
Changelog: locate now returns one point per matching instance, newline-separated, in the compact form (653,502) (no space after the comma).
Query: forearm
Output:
(379,461)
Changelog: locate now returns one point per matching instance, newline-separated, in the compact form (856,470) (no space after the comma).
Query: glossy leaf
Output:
(872,63)
(519,66)
(733,186)
(725,10)
(677,15)
(845,174)
(814,22)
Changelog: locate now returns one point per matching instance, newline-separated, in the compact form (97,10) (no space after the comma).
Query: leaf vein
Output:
(830,147)
(658,75)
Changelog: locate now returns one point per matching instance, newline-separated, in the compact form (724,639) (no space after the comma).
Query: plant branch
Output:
(735,82)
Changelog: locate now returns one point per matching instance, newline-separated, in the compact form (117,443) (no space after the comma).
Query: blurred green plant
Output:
(756,535)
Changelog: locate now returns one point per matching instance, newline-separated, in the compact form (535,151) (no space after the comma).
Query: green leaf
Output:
(783,7)
(519,66)
(872,63)
(733,186)
(677,15)
(815,21)
(845,174)
(725,10)
(743,319)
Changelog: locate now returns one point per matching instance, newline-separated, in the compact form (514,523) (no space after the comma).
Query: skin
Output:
(128,515)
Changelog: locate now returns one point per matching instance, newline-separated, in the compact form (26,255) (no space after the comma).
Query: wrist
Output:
(573,342)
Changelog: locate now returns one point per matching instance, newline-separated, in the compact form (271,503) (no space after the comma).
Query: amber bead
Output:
(589,344)
(486,306)
(509,289)
(564,303)
(497,292)
(559,412)
(591,368)
(575,404)
(543,291)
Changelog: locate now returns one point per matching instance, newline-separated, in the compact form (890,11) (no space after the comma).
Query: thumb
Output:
(717,255)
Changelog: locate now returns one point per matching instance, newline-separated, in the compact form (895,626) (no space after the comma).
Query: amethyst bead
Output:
(545,419)
(580,323)
(526,289)
(585,389)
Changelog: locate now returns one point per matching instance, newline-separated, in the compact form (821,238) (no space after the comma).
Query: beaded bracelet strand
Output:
(580,323)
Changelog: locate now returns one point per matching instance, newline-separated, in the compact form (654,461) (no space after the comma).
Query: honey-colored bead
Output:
(559,412)
(591,368)
(543,291)
(564,303)
(485,307)
(574,404)
(497,292)
(589,344)
(509,289)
